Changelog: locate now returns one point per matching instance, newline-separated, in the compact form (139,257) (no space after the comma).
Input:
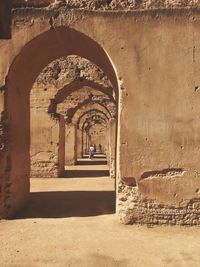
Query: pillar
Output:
(112,146)
(61,148)
(45,141)
(70,144)
(79,143)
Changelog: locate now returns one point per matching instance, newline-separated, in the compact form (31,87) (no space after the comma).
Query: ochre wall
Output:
(70,144)
(157,62)
(45,142)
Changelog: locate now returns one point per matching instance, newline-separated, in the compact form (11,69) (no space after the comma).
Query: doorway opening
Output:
(87,128)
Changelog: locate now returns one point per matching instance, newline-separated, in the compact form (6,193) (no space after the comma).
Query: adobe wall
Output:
(45,143)
(61,146)
(79,147)
(45,133)
(108,4)
(70,144)
(112,147)
(157,61)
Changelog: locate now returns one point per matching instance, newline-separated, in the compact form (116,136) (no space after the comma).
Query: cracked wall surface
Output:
(134,208)
(154,55)
(109,4)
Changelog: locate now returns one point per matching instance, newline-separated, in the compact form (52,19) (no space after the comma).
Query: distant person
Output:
(100,148)
(95,148)
(91,152)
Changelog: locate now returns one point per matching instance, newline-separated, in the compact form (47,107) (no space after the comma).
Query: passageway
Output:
(70,100)
(69,114)
(97,167)
(76,100)
(72,197)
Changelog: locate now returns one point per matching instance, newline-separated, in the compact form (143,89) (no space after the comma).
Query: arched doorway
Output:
(24,70)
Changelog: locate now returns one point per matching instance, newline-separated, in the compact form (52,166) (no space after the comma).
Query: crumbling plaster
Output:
(157,61)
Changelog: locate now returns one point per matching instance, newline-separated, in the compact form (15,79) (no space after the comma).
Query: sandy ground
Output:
(72,222)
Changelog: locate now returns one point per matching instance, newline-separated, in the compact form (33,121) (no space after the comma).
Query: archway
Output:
(72,132)
(80,128)
(33,57)
(87,139)
(88,114)
(75,86)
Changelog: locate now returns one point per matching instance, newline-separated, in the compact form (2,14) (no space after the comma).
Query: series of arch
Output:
(25,68)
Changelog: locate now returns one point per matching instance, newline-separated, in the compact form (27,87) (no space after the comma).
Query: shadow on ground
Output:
(68,204)
(84,173)
(96,156)
(92,162)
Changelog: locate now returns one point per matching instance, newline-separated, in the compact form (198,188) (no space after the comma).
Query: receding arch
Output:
(91,122)
(89,106)
(72,111)
(53,44)
(89,112)
(33,57)
(76,85)
(80,131)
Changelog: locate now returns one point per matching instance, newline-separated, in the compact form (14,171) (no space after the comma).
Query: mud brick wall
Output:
(135,209)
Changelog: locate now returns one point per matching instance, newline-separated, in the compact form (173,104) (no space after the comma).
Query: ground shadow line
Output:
(63,204)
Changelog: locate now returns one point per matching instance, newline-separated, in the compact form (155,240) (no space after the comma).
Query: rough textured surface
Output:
(136,209)
(64,70)
(110,4)
(152,60)
(44,163)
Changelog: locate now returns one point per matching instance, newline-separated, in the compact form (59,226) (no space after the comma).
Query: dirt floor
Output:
(72,222)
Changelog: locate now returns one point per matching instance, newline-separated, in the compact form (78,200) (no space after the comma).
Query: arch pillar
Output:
(47,152)
(70,144)
(85,142)
(79,143)
(112,147)
(23,71)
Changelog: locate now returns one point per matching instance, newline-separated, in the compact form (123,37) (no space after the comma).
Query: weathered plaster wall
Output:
(70,144)
(44,145)
(112,147)
(157,61)
(136,208)
(110,4)
(79,146)
(61,148)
